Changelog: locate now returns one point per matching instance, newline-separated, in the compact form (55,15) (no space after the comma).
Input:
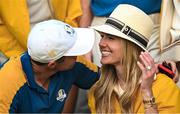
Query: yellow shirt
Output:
(15,23)
(165,91)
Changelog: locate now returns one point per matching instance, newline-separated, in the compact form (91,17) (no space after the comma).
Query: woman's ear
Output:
(52,64)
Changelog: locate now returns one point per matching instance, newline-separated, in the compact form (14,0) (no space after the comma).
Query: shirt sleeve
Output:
(168,95)
(86,73)
(11,80)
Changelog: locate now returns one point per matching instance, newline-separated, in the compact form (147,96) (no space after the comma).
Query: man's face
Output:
(62,64)
(65,63)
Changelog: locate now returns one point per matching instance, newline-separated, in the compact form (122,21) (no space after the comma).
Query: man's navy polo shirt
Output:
(32,98)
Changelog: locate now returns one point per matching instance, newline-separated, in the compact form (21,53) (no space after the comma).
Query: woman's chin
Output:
(104,62)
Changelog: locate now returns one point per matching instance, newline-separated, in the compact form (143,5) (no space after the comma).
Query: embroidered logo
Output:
(61,95)
(69,30)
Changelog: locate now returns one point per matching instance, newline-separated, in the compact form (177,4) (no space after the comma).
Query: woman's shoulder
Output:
(163,81)
(167,94)
(163,85)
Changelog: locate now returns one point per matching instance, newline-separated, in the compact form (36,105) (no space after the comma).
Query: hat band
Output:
(127,31)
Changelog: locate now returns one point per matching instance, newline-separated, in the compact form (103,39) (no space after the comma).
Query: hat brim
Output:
(84,42)
(113,31)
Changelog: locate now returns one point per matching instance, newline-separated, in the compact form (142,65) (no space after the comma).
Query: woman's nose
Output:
(102,42)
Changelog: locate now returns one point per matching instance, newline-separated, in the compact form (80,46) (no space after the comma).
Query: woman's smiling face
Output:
(111,48)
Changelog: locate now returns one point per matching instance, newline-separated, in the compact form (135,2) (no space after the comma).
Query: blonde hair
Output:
(104,89)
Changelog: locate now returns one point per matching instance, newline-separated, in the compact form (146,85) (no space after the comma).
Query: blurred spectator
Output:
(165,43)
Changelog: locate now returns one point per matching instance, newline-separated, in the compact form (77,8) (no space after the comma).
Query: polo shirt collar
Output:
(27,68)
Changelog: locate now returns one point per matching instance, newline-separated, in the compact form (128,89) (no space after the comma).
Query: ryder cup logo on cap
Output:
(50,40)
(69,30)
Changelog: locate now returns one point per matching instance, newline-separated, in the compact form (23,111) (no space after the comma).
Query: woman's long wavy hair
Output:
(104,89)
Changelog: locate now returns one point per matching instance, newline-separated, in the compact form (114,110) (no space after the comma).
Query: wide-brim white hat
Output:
(130,23)
(50,40)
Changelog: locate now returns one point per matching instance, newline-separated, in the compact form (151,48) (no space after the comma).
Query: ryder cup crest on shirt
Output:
(61,95)
(52,39)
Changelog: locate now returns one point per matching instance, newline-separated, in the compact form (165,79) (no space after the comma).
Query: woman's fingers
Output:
(144,59)
(147,60)
(141,66)
(147,64)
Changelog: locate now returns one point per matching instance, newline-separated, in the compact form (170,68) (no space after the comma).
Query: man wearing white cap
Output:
(39,81)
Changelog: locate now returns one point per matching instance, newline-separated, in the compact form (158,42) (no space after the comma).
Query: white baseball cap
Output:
(52,39)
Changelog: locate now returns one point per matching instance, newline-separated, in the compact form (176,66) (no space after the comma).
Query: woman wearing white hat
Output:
(128,82)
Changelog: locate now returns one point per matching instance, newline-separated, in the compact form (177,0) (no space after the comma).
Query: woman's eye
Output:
(107,36)
(110,37)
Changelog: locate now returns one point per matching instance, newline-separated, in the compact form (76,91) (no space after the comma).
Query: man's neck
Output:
(42,81)
(42,75)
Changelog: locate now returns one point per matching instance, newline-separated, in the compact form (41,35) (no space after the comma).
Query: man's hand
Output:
(175,71)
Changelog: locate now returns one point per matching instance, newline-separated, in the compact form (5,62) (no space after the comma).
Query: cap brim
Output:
(84,43)
(113,31)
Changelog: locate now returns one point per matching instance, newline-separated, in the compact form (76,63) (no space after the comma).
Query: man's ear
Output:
(52,64)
